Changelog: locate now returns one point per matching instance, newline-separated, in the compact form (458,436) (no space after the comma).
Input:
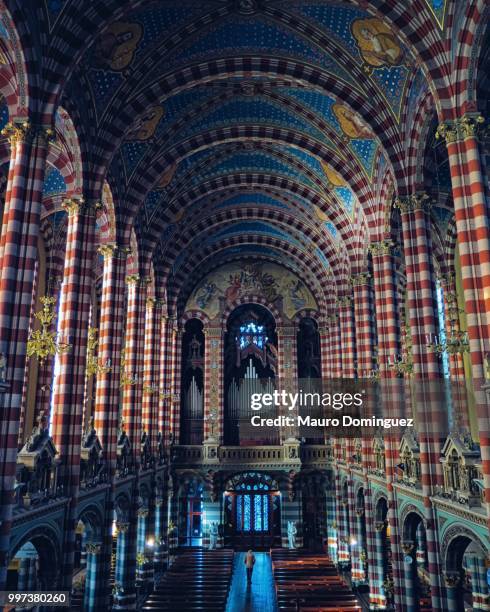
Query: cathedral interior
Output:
(204,199)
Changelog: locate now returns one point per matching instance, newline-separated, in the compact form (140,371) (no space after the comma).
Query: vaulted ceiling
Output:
(268,129)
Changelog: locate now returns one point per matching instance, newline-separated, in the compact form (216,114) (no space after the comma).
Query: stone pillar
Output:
(431,411)
(107,394)
(478,573)
(132,383)
(363,316)
(18,252)
(452,582)
(144,565)
(124,592)
(287,339)
(335,346)
(69,386)
(175,384)
(347,335)
(332,534)
(161,543)
(213,384)
(325,351)
(150,371)
(377,573)
(90,600)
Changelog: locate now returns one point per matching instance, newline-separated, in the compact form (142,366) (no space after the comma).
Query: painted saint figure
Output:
(377,43)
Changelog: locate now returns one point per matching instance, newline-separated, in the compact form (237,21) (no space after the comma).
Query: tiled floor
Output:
(261,594)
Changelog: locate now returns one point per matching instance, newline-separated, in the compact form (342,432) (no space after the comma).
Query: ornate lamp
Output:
(93,365)
(43,343)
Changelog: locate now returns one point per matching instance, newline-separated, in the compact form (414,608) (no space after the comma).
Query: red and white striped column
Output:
(133,366)
(107,394)
(388,333)
(431,415)
(69,385)
(176,376)
(150,386)
(20,232)
(335,346)
(213,384)
(325,355)
(347,335)
(473,236)
(363,317)
(165,361)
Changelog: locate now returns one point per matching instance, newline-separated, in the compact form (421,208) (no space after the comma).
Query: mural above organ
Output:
(243,278)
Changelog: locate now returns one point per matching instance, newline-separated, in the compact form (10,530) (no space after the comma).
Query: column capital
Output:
(418,201)
(92,548)
(77,205)
(122,527)
(111,250)
(132,279)
(24,131)
(332,318)
(382,247)
(467,126)
(362,278)
(151,302)
(344,301)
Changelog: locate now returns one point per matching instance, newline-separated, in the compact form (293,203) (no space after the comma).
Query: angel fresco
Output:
(297,293)
(205,293)
(377,43)
(116,46)
(145,126)
(351,123)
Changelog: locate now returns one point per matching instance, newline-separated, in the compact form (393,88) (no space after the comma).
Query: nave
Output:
(203,203)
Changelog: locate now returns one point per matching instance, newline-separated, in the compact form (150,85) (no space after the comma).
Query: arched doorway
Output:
(252,512)
(414,547)
(465,573)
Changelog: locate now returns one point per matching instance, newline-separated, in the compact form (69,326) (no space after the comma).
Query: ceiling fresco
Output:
(271,130)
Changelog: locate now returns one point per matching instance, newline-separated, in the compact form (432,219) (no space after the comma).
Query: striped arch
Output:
(132,262)
(14,84)
(283,186)
(250,299)
(194,314)
(217,136)
(284,220)
(336,214)
(118,120)
(312,269)
(470,37)
(310,314)
(224,258)
(416,143)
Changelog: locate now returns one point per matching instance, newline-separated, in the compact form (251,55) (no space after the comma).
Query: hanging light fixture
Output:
(44,343)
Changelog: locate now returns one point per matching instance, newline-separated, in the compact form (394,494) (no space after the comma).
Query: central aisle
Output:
(261,595)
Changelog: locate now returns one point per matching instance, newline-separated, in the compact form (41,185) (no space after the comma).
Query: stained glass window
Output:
(239,501)
(258,512)
(265,512)
(442,326)
(252,512)
(246,513)
(251,333)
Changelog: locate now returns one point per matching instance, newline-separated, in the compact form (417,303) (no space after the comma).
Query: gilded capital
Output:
(419,201)
(362,278)
(467,126)
(345,300)
(132,279)
(73,206)
(122,527)
(151,302)
(107,250)
(26,132)
(92,548)
(383,247)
